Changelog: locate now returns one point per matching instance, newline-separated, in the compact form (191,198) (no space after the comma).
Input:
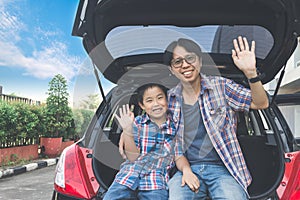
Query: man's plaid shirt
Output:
(219,99)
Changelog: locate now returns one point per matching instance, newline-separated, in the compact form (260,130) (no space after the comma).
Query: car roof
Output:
(95,20)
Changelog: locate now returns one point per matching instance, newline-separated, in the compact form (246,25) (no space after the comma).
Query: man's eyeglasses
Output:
(178,62)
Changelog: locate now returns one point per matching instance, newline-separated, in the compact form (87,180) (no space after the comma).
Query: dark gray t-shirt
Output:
(197,144)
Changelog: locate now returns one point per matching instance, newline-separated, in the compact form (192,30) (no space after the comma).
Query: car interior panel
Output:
(261,152)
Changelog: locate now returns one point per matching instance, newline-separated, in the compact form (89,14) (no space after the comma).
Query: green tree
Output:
(82,119)
(58,114)
(27,123)
(91,102)
(78,120)
(8,121)
(87,117)
(40,128)
(19,123)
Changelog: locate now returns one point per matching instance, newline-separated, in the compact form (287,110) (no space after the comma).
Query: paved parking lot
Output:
(32,185)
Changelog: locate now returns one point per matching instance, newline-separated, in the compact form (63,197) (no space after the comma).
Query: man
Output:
(204,107)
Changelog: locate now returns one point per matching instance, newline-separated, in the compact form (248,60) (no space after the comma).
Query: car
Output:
(125,40)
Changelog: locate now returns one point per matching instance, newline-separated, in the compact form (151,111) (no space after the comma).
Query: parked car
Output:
(125,40)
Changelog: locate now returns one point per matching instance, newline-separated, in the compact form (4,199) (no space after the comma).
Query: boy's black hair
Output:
(141,90)
(188,45)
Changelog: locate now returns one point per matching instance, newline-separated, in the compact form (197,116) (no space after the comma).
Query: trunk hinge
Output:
(99,82)
(278,84)
(88,45)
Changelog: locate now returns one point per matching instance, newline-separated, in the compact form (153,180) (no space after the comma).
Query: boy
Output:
(150,146)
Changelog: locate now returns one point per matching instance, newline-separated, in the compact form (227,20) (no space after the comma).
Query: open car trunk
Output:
(260,147)
(258,136)
(274,24)
(95,20)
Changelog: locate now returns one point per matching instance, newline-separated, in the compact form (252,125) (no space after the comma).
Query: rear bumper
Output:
(58,196)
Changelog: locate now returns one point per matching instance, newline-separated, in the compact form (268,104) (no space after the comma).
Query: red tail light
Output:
(78,177)
(290,185)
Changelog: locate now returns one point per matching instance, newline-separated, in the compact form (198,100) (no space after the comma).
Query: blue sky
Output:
(36,44)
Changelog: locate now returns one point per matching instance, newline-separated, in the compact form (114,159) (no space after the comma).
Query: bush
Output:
(82,119)
(8,122)
(19,124)
(23,124)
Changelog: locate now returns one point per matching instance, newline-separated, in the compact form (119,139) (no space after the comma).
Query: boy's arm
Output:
(188,176)
(131,150)
(126,119)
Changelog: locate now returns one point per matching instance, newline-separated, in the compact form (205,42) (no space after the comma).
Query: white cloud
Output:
(52,60)
(42,61)
(10,26)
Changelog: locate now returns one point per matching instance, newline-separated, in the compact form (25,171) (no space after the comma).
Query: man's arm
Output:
(259,96)
(244,59)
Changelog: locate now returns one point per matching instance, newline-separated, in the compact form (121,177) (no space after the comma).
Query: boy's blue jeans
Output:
(121,192)
(215,182)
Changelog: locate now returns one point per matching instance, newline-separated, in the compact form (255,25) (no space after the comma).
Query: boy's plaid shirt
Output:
(158,147)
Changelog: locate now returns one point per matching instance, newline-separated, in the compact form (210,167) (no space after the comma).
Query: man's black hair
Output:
(188,45)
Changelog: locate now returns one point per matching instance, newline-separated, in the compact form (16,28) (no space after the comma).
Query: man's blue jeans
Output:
(215,182)
(121,192)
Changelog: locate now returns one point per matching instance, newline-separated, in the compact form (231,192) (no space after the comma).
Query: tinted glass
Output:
(128,40)
(292,116)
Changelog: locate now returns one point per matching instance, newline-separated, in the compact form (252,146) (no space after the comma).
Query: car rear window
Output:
(131,40)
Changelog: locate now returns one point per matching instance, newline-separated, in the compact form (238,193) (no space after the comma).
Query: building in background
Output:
(290,85)
(13,98)
(291,80)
